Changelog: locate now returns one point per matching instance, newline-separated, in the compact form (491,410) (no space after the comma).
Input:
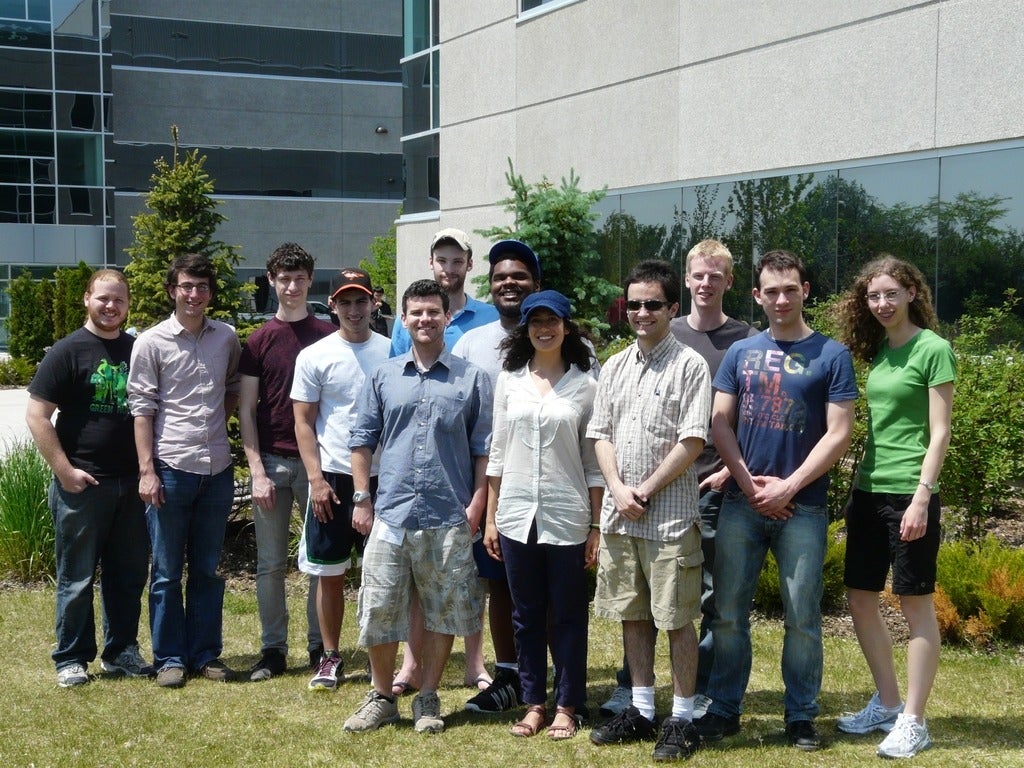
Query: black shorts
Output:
(330,543)
(873,544)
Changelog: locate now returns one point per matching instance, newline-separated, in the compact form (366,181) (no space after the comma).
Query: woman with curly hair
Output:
(544,503)
(893,516)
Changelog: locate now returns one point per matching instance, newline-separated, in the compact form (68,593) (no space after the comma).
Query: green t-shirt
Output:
(897,393)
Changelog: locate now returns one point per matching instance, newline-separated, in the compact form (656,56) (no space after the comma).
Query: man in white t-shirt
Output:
(329,375)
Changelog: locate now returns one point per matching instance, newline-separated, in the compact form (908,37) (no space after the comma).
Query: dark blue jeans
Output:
(189,527)
(103,525)
(710,504)
(549,580)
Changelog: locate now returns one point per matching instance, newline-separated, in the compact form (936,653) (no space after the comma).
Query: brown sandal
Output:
(559,732)
(525,729)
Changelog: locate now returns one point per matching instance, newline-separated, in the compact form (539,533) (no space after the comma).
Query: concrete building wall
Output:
(635,94)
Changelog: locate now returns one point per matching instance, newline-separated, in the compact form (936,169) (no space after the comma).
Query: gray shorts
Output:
(439,563)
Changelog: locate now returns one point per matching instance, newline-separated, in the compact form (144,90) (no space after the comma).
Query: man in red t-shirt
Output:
(268,435)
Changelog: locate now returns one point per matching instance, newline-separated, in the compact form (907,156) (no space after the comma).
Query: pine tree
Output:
(69,290)
(184,220)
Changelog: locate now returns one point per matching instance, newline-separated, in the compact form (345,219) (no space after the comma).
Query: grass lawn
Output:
(976,716)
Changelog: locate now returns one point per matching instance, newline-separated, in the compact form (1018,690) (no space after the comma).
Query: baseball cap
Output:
(351,277)
(457,236)
(516,249)
(548,299)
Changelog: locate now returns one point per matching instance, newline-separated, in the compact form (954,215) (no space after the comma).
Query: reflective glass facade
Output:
(959,218)
(421,102)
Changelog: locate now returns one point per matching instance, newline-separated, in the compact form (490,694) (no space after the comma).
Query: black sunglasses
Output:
(651,305)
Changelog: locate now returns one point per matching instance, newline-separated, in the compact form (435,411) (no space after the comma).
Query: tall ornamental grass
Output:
(26,527)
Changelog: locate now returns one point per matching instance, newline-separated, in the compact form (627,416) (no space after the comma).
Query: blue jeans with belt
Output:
(742,540)
(189,527)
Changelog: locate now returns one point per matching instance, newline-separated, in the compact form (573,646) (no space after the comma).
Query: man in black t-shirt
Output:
(98,515)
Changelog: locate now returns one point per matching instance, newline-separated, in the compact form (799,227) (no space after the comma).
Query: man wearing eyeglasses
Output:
(182,386)
(650,422)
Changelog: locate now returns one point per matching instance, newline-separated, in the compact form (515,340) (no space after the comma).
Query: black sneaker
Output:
(271,663)
(315,654)
(714,727)
(629,725)
(678,740)
(504,693)
(803,735)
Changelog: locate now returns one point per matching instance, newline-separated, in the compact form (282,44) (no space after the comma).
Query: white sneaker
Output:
(874,717)
(906,739)
(72,675)
(129,663)
(620,699)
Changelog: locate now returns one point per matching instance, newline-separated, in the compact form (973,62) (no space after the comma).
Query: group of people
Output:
(482,449)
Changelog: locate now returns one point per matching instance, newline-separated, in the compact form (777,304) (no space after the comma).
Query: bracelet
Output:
(933,487)
(595,526)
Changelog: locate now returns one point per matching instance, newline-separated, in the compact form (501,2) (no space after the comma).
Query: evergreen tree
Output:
(68,291)
(558,224)
(30,325)
(184,219)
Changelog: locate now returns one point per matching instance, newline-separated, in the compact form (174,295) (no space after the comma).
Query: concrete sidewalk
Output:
(12,417)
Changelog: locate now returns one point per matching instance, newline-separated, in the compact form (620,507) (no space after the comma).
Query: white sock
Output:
(643,699)
(682,706)
(506,665)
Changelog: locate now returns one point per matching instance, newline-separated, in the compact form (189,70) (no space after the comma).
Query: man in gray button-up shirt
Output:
(182,385)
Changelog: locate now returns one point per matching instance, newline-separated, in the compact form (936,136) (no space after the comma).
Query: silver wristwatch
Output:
(359,496)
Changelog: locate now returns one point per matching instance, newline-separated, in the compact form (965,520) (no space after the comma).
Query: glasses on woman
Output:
(889,296)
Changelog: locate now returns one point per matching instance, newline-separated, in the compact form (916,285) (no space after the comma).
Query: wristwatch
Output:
(359,496)
(933,487)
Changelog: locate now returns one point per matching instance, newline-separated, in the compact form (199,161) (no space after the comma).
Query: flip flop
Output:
(525,729)
(562,732)
(402,687)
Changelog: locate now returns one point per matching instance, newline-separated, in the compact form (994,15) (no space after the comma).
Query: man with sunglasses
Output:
(650,423)
(182,386)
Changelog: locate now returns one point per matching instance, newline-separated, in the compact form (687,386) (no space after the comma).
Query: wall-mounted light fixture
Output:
(380,130)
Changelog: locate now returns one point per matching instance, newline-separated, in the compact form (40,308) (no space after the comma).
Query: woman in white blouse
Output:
(544,502)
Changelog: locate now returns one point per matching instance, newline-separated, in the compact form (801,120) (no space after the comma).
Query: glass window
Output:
(416,16)
(75,25)
(14,170)
(421,164)
(77,72)
(25,68)
(15,204)
(25,34)
(78,111)
(13,9)
(24,109)
(79,160)
(416,95)
(211,47)
(40,9)
(26,143)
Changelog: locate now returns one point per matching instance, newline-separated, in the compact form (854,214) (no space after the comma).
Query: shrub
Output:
(26,527)
(69,289)
(950,624)
(767,596)
(30,326)
(985,583)
(16,372)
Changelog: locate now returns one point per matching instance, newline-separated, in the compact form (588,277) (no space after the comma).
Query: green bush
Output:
(984,458)
(30,326)
(69,289)
(985,582)
(26,526)
(767,596)
(16,372)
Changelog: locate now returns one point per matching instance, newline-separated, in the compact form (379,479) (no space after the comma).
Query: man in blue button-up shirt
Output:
(429,414)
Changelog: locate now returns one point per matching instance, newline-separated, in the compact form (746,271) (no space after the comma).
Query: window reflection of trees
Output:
(964,243)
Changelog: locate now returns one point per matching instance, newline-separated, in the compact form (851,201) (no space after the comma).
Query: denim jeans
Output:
(710,505)
(189,527)
(273,535)
(103,525)
(743,539)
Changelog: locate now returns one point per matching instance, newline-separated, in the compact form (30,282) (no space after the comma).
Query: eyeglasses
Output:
(890,296)
(651,305)
(201,288)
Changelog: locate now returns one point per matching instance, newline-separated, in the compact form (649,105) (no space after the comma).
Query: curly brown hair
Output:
(859,329)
